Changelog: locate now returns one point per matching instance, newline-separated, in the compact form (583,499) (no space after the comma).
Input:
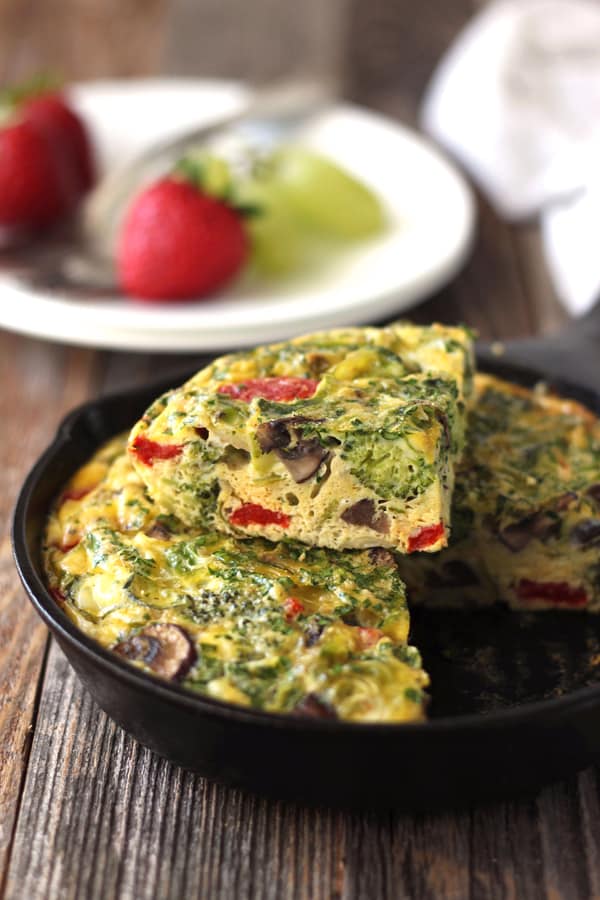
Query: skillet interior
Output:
(516,697)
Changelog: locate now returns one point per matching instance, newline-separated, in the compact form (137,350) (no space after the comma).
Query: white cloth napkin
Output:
(517,100)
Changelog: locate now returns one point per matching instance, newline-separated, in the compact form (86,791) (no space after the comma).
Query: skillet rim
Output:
(59,623)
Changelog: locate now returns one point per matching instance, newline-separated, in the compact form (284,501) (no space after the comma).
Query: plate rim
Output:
(156,336)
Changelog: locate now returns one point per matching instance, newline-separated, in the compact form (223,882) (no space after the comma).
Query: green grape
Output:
(276,238)
(323,196)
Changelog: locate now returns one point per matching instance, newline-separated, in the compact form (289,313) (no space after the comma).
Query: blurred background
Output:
(380,53)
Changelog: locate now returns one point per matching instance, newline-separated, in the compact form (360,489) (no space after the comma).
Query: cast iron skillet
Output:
(516,697)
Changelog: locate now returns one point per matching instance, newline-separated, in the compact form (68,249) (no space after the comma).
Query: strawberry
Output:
(52,112)
(36,186)
(46,160)
(178,242)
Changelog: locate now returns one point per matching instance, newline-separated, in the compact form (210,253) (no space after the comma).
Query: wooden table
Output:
(84,810)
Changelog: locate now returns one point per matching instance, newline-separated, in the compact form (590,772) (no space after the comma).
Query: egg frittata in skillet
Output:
(279,627)
(526,509)
(288,628)
(343,439)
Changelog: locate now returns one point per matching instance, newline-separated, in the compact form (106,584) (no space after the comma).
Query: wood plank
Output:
(102,816)
(430,855)
(506,855)
(562,843)
(588,792)
(40,382)
(101,38)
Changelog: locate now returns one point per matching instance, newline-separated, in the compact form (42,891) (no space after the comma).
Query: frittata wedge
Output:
(344,439)
(526,510)
(277,627)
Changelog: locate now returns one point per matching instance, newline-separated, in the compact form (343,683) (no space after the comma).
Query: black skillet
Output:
(516,697)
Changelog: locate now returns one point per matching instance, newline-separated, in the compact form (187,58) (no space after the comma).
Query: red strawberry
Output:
(177,242)
(52,112)
(36,185)
(46,160)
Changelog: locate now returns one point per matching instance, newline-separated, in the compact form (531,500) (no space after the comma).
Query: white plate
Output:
(429,205)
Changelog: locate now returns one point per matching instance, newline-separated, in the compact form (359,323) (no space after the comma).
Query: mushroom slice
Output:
(301,456)
(312,634)
(160,531)
(541,525)
(545,525)
(364,513)
(280,433)
(565,500)
(303,460)
(586,532)
(270,435)
(516,536)
(381,557)
(318,363)
(594,492)
(163,647)
(312,706)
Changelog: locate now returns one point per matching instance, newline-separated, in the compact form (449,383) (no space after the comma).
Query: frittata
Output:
(526,509)
(278,627)
(344,439)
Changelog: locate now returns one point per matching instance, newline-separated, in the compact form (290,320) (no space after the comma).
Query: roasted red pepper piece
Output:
(147,451)
(67,545)
(292,608)
(57,595)
(273,388)
(75,493)
(254,514)
(368,636)
(559,593)
(425,537)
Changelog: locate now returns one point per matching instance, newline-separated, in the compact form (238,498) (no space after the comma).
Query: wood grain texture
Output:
(39,384)
(80,39)
(103,817)
(139,827)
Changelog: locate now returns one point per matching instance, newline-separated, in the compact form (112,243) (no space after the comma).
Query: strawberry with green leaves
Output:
(46,158)
(52,112)
(179,241)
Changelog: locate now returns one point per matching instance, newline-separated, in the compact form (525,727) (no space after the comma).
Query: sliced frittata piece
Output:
(526,509)
(344,439)
(276,627)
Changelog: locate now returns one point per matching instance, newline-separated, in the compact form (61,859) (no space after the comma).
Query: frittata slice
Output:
(526,509)
(344,439)
(276,627)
